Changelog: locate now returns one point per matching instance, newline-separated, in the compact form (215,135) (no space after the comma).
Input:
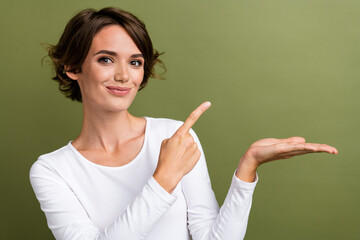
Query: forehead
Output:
(114,38)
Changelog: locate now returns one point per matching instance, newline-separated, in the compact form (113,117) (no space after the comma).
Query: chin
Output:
(119,107)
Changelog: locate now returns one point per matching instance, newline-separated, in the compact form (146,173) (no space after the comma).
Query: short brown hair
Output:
(75,42)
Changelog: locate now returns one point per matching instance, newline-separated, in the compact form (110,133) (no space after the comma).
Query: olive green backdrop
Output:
(271,68)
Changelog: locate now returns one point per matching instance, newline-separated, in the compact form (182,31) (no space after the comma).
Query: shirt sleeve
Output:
(205,220)
(68,220)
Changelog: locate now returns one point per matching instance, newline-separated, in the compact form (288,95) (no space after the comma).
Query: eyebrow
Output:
(115,54)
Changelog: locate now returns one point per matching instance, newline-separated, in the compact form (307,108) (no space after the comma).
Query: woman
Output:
(126,177)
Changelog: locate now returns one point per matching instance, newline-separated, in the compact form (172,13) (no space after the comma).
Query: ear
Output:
(72,75)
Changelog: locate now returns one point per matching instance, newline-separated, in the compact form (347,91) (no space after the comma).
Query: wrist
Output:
(246,170)
(166,181)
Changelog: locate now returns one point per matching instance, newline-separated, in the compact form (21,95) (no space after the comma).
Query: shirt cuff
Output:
(160,191)
(243,184)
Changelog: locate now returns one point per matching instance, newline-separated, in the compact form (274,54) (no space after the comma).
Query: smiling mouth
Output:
(118,91)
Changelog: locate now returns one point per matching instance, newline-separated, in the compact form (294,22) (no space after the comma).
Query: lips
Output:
(118,91)
(118,88)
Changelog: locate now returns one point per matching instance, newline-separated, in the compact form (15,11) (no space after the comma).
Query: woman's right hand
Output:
(179,153)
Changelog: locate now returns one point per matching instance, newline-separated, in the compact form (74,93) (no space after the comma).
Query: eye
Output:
(136,63)
(105,60)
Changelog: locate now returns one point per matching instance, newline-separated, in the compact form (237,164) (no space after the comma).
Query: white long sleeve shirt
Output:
(87,201)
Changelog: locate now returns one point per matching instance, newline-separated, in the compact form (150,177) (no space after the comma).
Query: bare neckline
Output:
(83,159)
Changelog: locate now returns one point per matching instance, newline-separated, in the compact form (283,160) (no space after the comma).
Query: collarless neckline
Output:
(83,159)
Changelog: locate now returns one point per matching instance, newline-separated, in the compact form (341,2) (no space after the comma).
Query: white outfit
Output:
(84,200)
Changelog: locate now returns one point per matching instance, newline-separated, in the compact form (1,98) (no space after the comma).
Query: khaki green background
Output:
(270,69)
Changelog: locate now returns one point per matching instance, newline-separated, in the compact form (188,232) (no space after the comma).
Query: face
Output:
(112,70)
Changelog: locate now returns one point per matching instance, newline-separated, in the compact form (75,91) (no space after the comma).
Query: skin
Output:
(111,136)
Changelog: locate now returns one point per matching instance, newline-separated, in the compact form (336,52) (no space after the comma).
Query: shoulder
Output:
(51,161)
(166,126)
(163,125)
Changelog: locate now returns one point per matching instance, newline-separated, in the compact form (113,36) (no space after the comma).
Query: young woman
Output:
(127,177)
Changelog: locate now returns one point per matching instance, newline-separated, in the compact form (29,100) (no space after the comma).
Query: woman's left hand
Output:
(270,149)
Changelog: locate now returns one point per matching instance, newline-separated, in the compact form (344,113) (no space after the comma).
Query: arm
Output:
(231,222)
(182,152)
(68,220)
(204,218)
(182,158)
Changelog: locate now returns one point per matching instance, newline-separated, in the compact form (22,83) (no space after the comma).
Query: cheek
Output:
(91,77)
(141,77)
(98,75)
(137,76)
(103,72)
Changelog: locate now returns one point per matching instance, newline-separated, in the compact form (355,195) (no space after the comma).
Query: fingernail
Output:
(207,104)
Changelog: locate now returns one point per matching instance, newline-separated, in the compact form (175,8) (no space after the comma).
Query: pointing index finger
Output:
(193,117)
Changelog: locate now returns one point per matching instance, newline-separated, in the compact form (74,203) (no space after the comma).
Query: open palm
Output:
(270,149)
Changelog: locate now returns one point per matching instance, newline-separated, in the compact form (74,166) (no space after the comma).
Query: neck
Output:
(105,130)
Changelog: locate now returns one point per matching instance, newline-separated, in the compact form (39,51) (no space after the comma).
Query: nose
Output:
(121,75)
